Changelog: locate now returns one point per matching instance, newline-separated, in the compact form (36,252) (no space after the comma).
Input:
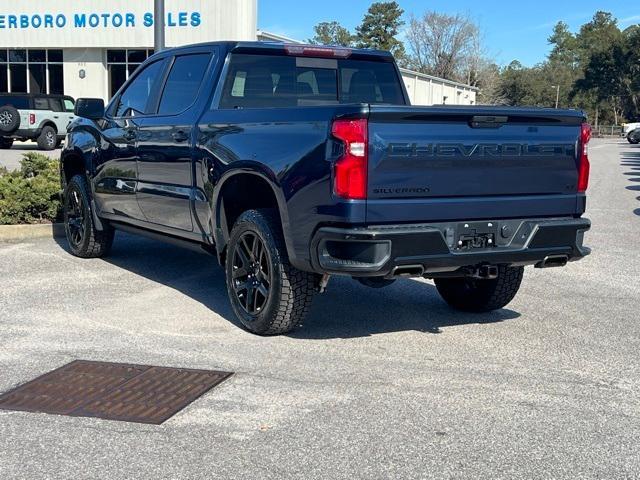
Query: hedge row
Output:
(31,194)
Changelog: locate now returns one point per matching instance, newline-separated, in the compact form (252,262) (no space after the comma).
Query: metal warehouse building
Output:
(89,48)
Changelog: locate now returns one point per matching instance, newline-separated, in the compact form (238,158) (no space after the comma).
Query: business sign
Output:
(96,20)
(122,23)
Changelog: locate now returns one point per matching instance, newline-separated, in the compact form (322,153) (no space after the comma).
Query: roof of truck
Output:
(282,48)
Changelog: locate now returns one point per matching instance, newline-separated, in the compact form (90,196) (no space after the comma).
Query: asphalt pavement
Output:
(11,158)
(384,383)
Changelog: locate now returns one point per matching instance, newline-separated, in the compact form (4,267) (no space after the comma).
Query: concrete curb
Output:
(18,233)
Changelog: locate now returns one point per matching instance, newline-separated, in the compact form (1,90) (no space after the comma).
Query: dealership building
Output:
(89,48)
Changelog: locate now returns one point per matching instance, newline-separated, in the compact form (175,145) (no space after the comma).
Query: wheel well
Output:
(48,123)
(240,193)
(72,165)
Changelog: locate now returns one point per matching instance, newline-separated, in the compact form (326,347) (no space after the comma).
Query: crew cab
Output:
(293,163)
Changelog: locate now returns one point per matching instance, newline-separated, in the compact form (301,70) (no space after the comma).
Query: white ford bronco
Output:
(39,117)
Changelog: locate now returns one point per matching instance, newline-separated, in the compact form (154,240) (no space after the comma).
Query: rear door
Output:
(447,163)
(57,115)
(165,142)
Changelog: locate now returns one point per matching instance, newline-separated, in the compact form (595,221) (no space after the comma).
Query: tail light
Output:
(350,171)
(583,160)
(32,119)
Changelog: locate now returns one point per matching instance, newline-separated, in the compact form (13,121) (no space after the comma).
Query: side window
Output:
(183,83)
(56,104)
(68,105)
(135,99)
(40,103)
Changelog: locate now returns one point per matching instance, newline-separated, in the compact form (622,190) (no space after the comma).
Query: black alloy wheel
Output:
(74,218)
(85,240)
(251,273)
(268,295)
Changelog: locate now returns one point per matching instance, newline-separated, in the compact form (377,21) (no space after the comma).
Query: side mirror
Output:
(91,108)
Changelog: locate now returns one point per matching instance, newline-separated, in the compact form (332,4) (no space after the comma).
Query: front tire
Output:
(84,239)
(473,295)
(268,295)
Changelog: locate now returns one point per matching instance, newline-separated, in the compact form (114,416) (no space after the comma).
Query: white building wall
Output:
(428,90)
(92,62)
(122,23)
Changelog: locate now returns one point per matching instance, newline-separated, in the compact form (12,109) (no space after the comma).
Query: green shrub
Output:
(31,194)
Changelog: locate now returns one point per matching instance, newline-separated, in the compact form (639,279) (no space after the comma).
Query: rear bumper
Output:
(434,248)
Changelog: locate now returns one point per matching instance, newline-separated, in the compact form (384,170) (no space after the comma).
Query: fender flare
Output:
(86,151)
(47,123)
(219,228)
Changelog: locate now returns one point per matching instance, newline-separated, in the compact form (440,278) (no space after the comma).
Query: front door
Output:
(117,175)
(166,141)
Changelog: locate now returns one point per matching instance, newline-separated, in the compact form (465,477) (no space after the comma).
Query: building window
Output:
(31,71)
(121,64)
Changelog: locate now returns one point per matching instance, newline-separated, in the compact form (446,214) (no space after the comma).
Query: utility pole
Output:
(557,87)
(158,25)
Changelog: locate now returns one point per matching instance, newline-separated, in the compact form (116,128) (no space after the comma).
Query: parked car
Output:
(43,118)
(633,136)
(293,163)
(628,127)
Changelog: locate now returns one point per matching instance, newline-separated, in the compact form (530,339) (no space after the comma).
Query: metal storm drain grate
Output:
(113,391)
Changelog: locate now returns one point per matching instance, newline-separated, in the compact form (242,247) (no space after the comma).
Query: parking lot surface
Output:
(11,158)
(384,383)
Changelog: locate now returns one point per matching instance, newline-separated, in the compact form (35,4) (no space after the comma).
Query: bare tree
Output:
(444,45)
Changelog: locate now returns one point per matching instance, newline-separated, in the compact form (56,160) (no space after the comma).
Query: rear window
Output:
(265,81)
(18,102)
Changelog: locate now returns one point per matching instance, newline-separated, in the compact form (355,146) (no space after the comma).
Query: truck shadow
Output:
(346,310)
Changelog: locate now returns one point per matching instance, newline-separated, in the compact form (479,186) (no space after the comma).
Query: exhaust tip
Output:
(553,261)
(408,271)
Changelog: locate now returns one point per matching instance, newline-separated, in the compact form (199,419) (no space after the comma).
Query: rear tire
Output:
(84,239)
(6,143)
(47,138)
(268,295)
(472,295)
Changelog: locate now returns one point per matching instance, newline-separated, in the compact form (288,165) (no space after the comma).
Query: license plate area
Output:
(476,235)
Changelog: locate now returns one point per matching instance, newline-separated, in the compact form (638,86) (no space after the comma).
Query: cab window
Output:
(41,103)
(135,98)
(56,104)
(183,83)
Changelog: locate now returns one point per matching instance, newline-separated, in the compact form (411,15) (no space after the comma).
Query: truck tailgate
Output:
(446,163)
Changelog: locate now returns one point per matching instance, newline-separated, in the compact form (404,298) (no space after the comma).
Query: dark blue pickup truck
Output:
(292,163)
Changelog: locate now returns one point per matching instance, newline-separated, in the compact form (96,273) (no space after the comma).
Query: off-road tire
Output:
(93,243)
(6,143)
(472,295)
(47,138)
(9,119)
(291,290)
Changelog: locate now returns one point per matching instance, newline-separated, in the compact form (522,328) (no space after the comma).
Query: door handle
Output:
(180,136)
(129,135)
